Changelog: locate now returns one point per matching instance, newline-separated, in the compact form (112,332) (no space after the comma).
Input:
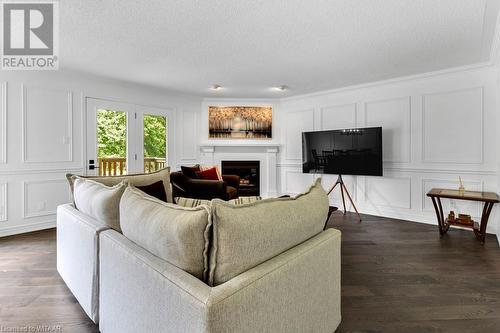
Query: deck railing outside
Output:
(117,166)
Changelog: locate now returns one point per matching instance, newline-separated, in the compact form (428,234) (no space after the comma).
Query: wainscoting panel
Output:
(47,125)
(435,128)
(295,123)
(452,126)
(41,197)
(338,117)
(189,139)
(296,182)
(336,197)
(394,115)
(472,208)
(3,122)
(388,191)
(3,202)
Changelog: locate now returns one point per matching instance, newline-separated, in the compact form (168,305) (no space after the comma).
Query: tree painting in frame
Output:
(240,122)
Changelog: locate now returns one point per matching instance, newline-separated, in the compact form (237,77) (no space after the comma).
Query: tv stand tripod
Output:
(343,188)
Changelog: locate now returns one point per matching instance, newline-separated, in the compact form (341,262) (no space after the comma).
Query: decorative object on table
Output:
(451,216)
(464,219)
(240,122)
(488,198)
(461,188)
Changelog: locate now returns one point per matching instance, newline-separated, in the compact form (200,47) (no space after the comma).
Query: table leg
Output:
(481,233)
(439,214)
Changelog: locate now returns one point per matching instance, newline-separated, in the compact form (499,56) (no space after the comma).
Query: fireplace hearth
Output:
(249,172)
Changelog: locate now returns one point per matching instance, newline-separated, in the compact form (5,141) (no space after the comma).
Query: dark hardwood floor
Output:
(31,292)
(397,276)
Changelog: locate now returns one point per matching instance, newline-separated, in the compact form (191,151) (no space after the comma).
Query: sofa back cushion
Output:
(99,201)
(176,234)
(246,235)
(190,202)
(143,179)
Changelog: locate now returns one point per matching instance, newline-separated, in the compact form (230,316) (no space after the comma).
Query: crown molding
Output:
(420,76)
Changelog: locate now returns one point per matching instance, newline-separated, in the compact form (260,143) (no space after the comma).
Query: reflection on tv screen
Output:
(356,151)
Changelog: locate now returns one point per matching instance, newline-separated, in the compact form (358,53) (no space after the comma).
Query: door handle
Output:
(92,166)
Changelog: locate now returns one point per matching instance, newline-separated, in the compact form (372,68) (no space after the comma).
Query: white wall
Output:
(435,128)
(42,137)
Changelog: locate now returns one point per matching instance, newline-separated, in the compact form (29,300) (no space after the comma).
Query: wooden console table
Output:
(489,199)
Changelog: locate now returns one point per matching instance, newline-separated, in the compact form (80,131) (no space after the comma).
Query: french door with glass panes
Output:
(125,138)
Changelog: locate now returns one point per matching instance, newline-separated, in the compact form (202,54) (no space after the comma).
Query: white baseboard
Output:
(21,229)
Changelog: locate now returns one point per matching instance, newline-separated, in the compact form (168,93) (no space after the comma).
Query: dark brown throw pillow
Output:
(156,190)
(190,171)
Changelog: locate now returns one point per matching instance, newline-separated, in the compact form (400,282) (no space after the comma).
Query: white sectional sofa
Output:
(126,284)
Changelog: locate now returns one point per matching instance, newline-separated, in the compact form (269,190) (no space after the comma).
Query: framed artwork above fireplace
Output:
(240,122)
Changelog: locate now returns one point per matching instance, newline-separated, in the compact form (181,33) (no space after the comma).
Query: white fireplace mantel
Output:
(213,153)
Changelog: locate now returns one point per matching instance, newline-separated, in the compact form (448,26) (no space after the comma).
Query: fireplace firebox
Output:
(249,172)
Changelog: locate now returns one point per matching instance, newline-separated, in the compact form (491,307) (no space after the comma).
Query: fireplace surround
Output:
(249,172)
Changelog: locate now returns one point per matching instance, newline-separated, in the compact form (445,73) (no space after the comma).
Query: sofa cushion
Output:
(156,190)
(190,171)
(245,236)
(217,170)
(141,179)
(244,200)
(209,174)
(99,201)
(176,234)
(190,202)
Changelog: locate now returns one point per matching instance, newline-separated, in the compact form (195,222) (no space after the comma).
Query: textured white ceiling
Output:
(249,46)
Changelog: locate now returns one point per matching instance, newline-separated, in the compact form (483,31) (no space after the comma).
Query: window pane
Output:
(155,143)
(112,142)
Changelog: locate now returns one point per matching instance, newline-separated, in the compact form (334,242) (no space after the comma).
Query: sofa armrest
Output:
(159,297)
(303,284)
(77,256)
(207,189)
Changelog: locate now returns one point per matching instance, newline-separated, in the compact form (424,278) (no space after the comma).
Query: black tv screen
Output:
(356,151)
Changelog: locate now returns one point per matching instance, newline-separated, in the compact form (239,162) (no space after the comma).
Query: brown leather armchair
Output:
(184,186)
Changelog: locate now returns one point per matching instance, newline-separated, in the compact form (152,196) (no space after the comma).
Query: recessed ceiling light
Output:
(281,88)
(216,87)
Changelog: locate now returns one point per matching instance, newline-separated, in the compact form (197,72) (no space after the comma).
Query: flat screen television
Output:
(354,151)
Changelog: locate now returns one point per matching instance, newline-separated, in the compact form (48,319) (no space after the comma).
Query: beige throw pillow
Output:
(142,179)
(99,201)
(245,236)
(175,234)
